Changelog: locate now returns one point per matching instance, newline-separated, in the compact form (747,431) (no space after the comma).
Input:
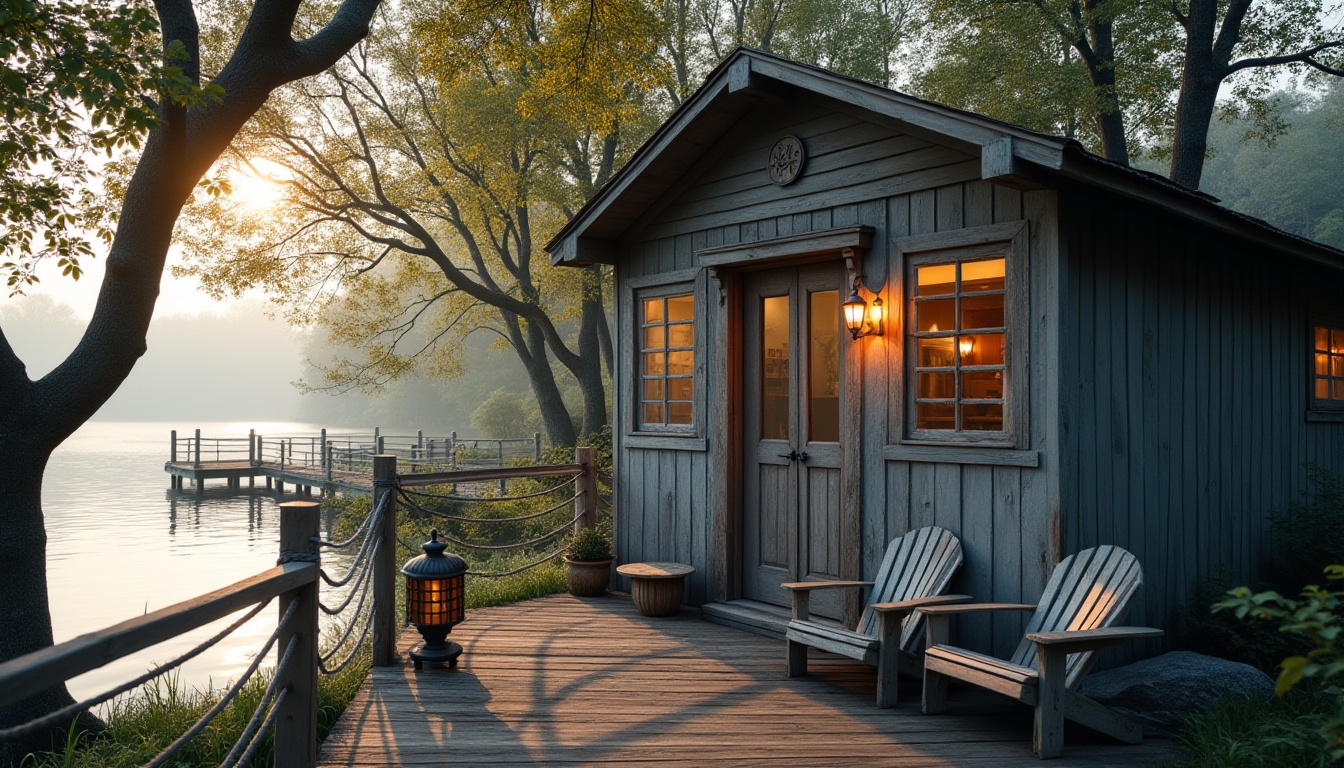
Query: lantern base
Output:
(435,653)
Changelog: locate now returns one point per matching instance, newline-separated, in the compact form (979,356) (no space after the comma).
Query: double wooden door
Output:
(792,386)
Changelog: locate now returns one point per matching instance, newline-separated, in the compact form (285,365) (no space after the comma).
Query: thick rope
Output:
(520,545)
(228,696)
(359,609)
(455,497)
(343,544)
(354,650)
(520,569)
(360,557)
(53,717)
(460,519)
(266,697)
(265,726)
(358,586)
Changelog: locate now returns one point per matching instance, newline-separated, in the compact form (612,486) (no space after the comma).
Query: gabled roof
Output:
(1008,152)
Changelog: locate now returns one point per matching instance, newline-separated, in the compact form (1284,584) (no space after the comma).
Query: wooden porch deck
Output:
(570,681)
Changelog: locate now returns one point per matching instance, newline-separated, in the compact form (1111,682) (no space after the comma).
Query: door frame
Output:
(725,428)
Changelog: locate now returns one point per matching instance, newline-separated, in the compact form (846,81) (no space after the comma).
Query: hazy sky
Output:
(232,363)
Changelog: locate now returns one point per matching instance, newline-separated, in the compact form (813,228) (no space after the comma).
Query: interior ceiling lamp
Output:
(860,318)
(434,601)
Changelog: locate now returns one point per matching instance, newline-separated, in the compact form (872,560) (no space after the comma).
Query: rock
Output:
(1160,691)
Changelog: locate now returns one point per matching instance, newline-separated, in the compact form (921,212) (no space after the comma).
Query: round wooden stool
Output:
(657,587)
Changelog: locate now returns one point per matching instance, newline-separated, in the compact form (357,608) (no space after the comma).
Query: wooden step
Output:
(754,616)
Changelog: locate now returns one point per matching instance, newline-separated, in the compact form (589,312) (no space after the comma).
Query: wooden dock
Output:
(568,681)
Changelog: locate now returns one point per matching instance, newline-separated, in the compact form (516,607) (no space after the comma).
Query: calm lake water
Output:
(120,544)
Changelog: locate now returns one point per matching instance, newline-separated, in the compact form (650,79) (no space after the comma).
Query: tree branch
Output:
(1229,33)
(1306,56)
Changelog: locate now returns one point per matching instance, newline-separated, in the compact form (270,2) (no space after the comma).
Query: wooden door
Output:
(792,392)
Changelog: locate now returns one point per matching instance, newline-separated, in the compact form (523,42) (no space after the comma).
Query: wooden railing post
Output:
(385,565)
(252,447)
(196,462)
(172,451)
(585,490)
(536,447)
(326,452)
(296,720)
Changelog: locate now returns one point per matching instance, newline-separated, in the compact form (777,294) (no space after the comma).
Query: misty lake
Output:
(120,544)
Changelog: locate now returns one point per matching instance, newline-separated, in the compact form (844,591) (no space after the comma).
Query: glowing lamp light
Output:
(860,319)
(966,345)
(434,601)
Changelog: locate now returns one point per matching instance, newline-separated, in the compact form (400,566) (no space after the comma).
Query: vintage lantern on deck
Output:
(434,601)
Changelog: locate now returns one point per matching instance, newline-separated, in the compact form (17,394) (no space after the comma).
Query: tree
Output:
(422,175)
(1306,196)
(1142,56)
(185,128)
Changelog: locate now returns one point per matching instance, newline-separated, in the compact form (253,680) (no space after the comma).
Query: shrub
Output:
(1309,536)
(1253,733)
(1318,617)
(590,545)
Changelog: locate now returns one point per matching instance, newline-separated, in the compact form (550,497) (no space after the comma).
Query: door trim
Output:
(726,431)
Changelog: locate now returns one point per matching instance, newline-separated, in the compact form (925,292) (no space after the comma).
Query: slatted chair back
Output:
(919,564)
(1089,590)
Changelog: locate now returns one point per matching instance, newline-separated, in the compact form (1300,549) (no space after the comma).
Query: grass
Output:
(1250,733)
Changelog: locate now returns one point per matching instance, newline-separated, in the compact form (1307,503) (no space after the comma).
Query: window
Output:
(965,339)
(666,394)
(959,333)
(1327,381)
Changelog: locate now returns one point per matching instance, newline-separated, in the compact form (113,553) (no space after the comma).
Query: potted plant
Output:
(588,563)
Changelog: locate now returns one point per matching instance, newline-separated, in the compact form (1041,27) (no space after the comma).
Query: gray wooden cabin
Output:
(1152,369)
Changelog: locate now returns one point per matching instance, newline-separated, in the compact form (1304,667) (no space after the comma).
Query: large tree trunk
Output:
(589,374)
(530,344)
(1097,49)
(36,416)
(1199,95)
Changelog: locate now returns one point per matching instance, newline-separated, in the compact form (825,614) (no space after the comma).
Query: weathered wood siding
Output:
(1184,394)
(858,173)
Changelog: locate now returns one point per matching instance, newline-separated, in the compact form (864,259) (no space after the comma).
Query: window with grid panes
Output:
(959,345)
(666,361)
(1327,381)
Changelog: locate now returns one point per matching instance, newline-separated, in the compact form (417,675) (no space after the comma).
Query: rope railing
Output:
(520,545)
(407,502)
(370,537)
(57,716)
(456,497)
(250,735)
(519,569)
(231,693)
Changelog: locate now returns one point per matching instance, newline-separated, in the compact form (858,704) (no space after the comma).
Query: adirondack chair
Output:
(915,570)
(1088,593)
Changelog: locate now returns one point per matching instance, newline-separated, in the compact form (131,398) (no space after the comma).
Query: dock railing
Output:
(289,704)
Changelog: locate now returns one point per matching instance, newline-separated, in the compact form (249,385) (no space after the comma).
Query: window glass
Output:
(959,308)
(666,388)
(823,362)
(1328,366)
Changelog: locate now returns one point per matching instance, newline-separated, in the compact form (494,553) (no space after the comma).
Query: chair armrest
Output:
(949,610)
(1079,640)
(919,602)
(801,592)
(808,586)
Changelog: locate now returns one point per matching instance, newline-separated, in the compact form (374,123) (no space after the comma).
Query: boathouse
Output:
(1071,352)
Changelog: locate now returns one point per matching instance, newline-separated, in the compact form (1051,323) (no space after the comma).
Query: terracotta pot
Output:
(587,579)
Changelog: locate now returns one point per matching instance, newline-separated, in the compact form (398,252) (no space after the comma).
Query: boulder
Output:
(1160,691)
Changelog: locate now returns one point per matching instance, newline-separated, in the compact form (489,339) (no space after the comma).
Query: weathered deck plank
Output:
(568,681)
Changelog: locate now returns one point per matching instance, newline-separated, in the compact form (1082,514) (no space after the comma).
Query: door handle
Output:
(801,456)
(794,456)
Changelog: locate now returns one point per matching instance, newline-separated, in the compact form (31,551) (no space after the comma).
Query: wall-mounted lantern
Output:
(967,346)
(434,601)
(860,318)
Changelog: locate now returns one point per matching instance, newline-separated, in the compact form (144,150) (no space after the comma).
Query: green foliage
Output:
(590,545)
(506,414)
(1222,634)
(74,79)
(1252,733)
(1306,194)
(1310,536)
(1318,617)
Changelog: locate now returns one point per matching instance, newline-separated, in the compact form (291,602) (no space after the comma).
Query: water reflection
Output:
(120,544)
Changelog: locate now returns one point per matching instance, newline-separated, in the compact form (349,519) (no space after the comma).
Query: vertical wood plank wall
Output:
(1186,361)
(858,173)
